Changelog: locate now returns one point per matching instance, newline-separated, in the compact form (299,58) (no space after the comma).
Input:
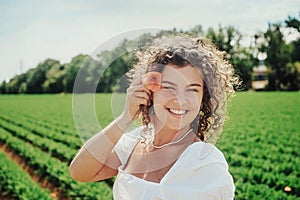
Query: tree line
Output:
(282,61)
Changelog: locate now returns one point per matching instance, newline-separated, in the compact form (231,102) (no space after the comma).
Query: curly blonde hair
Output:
(218,75)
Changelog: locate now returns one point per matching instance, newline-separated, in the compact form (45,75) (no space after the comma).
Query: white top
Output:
(201,172)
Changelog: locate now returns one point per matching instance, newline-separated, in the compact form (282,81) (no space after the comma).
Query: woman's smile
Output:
(177,112)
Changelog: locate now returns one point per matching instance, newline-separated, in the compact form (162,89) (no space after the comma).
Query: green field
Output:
(261,142)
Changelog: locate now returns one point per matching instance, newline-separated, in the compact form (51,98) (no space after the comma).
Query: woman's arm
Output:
(96,160)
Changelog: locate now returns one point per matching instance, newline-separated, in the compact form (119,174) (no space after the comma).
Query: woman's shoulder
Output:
(203,165)
(207,153)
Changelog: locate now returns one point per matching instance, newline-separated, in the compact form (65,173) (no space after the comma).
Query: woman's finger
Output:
(142,94)
(138,88)
(139,101)
(139,98)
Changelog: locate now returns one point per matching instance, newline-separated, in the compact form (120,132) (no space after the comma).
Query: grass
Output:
(260,139)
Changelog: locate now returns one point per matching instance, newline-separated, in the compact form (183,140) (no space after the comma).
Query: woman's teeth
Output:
(177,112)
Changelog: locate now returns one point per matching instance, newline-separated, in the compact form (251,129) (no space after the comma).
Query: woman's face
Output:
(178,101)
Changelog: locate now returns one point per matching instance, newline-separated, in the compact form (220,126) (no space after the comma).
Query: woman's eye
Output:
(193,90)
(168,88)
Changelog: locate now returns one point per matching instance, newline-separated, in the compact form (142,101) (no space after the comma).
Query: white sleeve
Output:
(218,183)
(204,177)
(126,144)
(214,171)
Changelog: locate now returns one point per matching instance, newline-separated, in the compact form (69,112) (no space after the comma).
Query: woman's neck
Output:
(164,134)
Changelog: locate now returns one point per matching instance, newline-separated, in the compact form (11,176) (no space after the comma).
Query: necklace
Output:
(173,142)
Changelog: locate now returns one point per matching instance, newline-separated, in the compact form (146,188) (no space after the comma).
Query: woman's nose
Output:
(180,97)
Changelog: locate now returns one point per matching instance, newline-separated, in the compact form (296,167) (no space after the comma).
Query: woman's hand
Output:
(137,95)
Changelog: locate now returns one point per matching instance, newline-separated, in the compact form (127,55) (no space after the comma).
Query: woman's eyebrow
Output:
(195,84)
(168,82)
(174,84)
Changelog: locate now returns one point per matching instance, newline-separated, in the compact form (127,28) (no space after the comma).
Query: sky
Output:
(34,30)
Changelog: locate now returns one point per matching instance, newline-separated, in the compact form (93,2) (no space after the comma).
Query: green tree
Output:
(16,85)
(294,24)
(72,69)
(225,38)
(278,59)
(54,79)
(3,87)
(228,39)
(294,66)
(243,62)
(117,63)
(84,70)
(197,30)
(37,76)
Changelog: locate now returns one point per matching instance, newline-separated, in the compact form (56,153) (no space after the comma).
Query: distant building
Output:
(260,76)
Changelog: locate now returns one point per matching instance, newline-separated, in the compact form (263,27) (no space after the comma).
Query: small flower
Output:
(152,81)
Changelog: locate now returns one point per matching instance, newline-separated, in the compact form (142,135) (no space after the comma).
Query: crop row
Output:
(255,191)
(55,171)
(257,177)
(17,184)
(53,111)
(261,170)
(261,143)
(56,149)
(72,141)
(51,125)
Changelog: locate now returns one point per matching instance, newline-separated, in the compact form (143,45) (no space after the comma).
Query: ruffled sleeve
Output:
(201,174)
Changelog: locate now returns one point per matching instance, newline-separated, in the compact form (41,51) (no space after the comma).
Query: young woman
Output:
(180,86)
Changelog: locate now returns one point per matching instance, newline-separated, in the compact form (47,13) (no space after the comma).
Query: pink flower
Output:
(152,81)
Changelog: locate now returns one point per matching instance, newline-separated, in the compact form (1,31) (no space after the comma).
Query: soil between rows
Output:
(43,182)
